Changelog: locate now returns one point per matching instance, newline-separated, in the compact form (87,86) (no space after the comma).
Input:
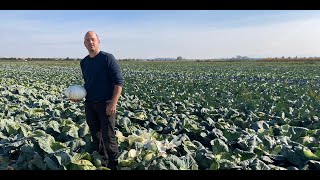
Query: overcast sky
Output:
(196,34)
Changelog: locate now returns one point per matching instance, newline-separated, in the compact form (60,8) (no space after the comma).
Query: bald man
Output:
(103,82)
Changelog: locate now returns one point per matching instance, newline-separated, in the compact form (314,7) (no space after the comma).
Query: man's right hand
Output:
(74,100)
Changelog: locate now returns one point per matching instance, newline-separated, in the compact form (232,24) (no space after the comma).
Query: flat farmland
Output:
(246,115)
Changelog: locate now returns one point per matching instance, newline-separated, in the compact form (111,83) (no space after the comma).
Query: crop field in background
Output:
(171,115)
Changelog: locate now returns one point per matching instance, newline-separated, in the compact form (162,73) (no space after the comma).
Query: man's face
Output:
(91,42)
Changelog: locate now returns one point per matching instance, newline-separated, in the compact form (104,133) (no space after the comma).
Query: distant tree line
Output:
(273,59)
(38,59)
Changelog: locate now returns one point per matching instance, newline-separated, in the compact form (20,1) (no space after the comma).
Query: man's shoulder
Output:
(106,54)
(84,59)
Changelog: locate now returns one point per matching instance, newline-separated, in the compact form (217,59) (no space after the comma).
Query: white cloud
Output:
(294,38)
(35,38)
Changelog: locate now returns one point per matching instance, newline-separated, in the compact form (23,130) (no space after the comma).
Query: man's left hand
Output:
(111,109)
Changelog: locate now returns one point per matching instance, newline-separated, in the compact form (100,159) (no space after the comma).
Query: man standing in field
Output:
(103,83)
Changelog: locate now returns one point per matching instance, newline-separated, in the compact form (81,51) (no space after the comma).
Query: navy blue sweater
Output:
(100,74)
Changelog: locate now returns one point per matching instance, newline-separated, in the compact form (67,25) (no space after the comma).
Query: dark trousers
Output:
(102,131)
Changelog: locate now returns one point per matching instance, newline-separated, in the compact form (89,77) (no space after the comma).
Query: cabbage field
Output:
(170,116)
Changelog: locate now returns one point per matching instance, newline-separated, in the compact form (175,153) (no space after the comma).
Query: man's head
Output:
(91,41)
